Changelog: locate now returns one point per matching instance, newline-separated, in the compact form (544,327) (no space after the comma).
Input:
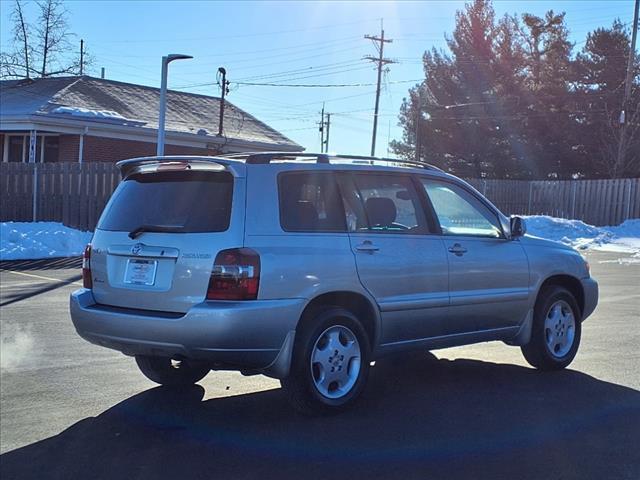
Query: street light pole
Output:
(163,97)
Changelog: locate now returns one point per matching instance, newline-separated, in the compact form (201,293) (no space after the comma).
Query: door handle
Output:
(367,246)
(457,249)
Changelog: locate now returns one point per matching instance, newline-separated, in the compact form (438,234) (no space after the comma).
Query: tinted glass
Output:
(459,212)
(310,202)
(390,204)
(188,201)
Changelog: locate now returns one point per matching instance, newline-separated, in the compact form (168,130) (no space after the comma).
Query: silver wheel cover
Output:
(559,329)
(335,362)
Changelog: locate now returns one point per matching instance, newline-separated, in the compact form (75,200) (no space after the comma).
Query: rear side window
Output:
(310,202)
(188,201)
(390,204)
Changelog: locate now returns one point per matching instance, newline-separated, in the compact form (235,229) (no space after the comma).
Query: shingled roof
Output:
(135,106)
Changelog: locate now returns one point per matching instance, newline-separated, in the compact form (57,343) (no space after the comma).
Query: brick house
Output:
(87,119)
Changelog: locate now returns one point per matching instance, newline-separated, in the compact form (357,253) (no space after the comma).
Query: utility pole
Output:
(632,53)
(624,114)
(418,118)
(321,128)
(225,89)
(81,57)
(380,60)
(326,140)
(417,159)
(388,138)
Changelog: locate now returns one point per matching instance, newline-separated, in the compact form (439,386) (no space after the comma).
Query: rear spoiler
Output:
(154,164)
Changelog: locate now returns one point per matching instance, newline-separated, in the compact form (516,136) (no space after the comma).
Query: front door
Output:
(488,273)
(400,259)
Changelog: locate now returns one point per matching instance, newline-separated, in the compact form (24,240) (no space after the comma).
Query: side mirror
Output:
(518,227)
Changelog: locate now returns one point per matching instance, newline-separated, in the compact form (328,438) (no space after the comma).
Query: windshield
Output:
(186,201)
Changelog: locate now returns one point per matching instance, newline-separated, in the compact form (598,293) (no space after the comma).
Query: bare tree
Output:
(18,63)
(47,45)
(53,38)
(21,32)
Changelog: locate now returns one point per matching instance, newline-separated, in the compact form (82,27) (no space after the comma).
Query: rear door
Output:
(400,259)
(183,219)
(488,273)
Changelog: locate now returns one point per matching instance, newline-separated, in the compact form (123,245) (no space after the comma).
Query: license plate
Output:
(140,272)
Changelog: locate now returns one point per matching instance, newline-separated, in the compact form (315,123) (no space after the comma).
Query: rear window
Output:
(310,202)
(188,201)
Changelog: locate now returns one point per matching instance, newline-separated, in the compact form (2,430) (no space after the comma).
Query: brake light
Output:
(235,275)
(87,282)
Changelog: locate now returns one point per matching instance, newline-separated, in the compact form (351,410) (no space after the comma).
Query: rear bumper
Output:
(255,335)
(590,288)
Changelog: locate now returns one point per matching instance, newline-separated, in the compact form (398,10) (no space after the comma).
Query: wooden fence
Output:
(75,195)
(72,193)
(597,202)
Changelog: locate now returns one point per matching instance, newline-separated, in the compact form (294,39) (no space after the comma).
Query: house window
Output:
(50,149)
(15,149)
(47,147)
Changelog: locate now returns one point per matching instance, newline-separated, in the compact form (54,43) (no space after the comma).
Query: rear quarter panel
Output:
(293,265)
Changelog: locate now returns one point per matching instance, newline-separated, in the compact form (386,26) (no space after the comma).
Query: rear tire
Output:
(556,331)
(165,371)
(330,363)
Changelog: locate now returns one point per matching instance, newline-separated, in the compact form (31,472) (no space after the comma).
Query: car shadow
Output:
(35,289)
(420,418)
(57,263)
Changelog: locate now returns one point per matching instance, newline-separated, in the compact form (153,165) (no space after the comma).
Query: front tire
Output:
(556,331)
(172,373)
(330,363)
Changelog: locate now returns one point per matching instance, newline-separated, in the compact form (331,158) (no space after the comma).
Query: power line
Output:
(320,74)
(285,73)
(301,85)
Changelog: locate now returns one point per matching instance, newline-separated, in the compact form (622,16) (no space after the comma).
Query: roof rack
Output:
(263,158)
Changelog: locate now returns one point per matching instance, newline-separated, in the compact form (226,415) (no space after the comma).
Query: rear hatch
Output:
(158,237)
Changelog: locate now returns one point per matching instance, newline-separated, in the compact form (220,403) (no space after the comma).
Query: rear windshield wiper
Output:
(155,228)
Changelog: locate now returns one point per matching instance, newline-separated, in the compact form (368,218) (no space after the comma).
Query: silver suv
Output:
(308,267)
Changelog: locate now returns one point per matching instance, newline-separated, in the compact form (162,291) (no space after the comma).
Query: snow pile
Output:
(25,240)
(85,112)
(623,238)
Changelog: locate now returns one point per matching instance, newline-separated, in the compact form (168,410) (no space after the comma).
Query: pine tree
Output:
(510,101)
(600,75)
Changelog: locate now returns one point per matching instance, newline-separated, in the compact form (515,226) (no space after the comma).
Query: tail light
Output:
(86,267)
(235,275)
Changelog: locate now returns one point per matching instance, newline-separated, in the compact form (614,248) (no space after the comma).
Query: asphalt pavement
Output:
(70,410)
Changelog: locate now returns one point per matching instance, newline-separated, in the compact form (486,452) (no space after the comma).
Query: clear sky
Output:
(291,42)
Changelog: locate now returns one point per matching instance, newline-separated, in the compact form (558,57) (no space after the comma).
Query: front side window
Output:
(310,202)
(459,212)
(389,204)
